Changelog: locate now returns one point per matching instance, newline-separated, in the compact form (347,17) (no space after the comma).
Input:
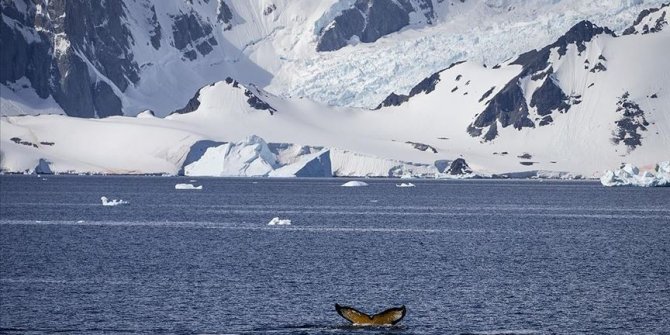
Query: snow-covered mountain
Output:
(574,102)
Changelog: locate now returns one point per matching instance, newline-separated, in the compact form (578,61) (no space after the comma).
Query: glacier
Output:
(629,175)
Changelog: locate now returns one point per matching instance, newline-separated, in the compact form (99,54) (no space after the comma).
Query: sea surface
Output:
(464,257)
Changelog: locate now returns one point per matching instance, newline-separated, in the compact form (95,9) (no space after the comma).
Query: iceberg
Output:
(405,185)
(113,202)
(280,222)
(354,183)
(629,175)
(248,158)
(186,186)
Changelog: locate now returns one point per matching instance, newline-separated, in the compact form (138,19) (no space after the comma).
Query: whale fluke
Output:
(388,317)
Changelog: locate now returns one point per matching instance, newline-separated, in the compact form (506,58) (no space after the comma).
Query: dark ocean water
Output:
(465,257)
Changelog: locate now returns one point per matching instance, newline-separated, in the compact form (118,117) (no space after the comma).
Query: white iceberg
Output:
(354,183)
(405,185)
(629,175)
(113,202)
(186,186)
(279,222)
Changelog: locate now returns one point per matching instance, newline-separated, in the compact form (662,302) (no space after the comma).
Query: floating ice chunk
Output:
(186,186)
(278,221)
(113,202)
(354,183)
(629,175)
(405,185)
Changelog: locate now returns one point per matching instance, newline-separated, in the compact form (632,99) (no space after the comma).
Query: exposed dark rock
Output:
(47,143)
(269,9)
(224,14)
(73,91)
(191,32)
(458,77)
(454,89)
(232,82)
(393,100)
(492,133)
(459,167)
(527,163)
(191,106)
(526,156)
(369,20)
(422,146)
(549,97)
(350,23)
(654,23)
(546,120)
(630,125)
(598,68)
(487,94)
(509,107)
(204,48)
(654,96)
(105,101)
(543,74)
(191,55)
(426,86)
(18,140)
(156,33)
(255,102)
(96,30)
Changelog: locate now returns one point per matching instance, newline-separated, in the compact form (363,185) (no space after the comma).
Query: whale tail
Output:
(388,317)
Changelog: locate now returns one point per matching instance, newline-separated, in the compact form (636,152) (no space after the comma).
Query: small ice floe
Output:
(354,183)
(113,202)
(279,222)
(405,185)
(80,221)
(186,186)
(629,175)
